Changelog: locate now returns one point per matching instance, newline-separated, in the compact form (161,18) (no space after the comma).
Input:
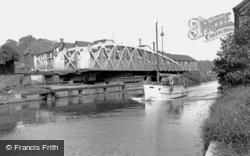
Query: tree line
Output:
(13,50)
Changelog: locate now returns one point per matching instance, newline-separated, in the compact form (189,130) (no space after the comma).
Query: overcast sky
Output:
(126,21)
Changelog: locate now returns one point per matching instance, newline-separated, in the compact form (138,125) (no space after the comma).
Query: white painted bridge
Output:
(108,56)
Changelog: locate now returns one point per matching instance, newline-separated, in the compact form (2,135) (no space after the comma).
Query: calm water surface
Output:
(114,124)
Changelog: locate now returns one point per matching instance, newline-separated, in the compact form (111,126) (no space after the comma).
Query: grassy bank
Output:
(229,122)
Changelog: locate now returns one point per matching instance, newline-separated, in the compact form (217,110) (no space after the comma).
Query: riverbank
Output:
(12,87)
(19,94)
(228,123)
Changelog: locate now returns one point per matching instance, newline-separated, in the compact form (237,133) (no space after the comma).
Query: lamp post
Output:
(162,34)
(157,66)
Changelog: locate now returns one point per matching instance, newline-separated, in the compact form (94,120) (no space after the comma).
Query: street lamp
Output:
(162,34)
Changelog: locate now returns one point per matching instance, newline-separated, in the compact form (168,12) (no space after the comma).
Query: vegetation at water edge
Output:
(229,122)
(229,117)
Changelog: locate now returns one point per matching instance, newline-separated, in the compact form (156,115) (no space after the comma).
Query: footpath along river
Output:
(113,124)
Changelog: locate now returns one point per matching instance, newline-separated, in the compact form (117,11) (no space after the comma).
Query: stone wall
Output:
(10,80)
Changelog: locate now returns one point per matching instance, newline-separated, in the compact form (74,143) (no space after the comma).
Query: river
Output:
(114,124)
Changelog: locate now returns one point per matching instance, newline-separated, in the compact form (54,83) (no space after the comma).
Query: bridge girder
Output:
(118,57)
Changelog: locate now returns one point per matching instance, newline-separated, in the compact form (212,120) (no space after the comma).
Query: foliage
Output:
(7,53)
(21,45)
(12,43)
(208,77)
(192,77)
(228,122)
(29,44)
(233,63)
(25,42)
(205,66)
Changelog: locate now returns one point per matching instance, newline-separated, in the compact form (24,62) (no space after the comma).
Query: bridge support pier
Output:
(105,90)
(79,93)
(123,87)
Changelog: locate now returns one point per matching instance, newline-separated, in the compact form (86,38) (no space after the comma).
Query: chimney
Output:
(61,40)
(153,46)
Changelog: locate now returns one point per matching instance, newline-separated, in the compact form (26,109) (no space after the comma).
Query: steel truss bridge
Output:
(113,57)
(105,61)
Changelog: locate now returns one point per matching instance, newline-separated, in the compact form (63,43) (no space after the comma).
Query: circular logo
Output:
(8,147)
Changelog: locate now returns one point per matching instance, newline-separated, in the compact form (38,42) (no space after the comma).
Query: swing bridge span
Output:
(106,60)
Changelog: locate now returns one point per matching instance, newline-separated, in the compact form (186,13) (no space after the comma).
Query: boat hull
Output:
(163,92)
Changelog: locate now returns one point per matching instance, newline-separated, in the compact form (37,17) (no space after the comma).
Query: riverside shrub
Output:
(229,122)
(233,63)
(192,78)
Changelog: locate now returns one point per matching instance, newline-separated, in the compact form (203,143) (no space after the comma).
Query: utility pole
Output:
(140,41)
(113,34)
(157,74)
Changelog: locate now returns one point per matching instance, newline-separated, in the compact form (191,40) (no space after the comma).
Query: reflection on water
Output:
(39,112)
(91,104)
(113,124)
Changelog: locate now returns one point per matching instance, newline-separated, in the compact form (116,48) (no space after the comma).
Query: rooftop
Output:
(68,44)
(237,7)
(82,43)
(40,46)
(178,57)
(44,46)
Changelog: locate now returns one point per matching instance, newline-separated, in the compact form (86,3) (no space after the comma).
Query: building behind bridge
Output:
(189,63)
(41,53)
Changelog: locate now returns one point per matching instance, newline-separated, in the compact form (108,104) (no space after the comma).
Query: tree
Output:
(205,66)
(7,53)
(233,63)
(24,43)
(14,44)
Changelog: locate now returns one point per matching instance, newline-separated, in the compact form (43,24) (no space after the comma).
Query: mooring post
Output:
(49,104)
(105,98)
(54,96)
(79,93)
(70,101)
(49,97)
(80,100)
(123,96)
